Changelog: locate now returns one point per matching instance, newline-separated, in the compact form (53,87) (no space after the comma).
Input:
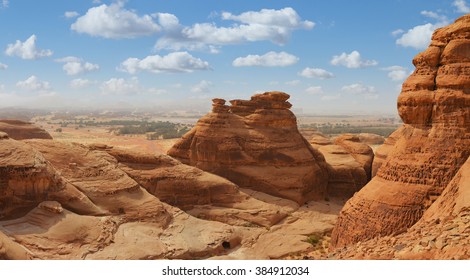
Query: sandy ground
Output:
(102,135)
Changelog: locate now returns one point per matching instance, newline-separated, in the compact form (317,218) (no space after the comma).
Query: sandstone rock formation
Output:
(348,160)
(20,130)
(428,151)
(27,178)
(199,193)
(256,144)
(442,233)
(70,201)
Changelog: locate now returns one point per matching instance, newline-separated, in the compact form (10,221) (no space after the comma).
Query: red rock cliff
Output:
(427,151)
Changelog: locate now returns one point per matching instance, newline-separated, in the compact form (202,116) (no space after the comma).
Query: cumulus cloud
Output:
(71,14)
(314,90)
(120,86)
(419,36)
(271,25)
(74,65)
(114,22)
(202,87)
(80,83)
(270,59)
(132,86)
(316,73)
(3,66)
(33,84)
(352,60)
(461,6)
(397,73)
(26,49)
(173,62)
(397,32)
(369,92)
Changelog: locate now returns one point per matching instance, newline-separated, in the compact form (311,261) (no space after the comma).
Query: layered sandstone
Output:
(27,178)
(199,193)
(20,130)
(348,161)
(442,233)
(76,203)
(427,152)
(256,144)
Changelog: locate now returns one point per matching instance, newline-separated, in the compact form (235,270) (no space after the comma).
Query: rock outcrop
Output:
(20,130)
(256,144)
(442,233)
(348,160)
(27,178)
(70,201)
(427,152)
(198,193)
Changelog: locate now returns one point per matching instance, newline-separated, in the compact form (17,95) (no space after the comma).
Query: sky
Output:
(331,56)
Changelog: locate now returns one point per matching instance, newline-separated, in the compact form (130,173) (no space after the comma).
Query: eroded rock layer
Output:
(20,130)
(427,152)
(256,144)
(349,163)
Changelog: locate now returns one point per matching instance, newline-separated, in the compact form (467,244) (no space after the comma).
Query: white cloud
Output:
(397,73)
(265,25)
(397,32)
(270,59)
(5,3)
(352,60)
(33,84)
(419,36)
(369,92)
(434,15)
(316,73)
(26,49)
(114,22)
(202,87)
(132,86)
(293,83)
(3,66)
(120,86)
(71,14)
(330,97)
(314,90)
(173,62)
(80,83)
(461,6)
(74,65)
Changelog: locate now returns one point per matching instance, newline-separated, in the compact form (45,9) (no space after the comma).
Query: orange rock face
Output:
(256,144)
(427,151)
(348,161)
(20,130)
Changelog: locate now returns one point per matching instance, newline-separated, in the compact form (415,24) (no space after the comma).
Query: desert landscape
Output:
(249,180)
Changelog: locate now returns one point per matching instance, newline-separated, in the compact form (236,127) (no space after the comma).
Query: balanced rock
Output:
(430,149)
(20,130)
(256,144)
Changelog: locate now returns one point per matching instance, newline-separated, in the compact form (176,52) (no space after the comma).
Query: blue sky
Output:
(331,56)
